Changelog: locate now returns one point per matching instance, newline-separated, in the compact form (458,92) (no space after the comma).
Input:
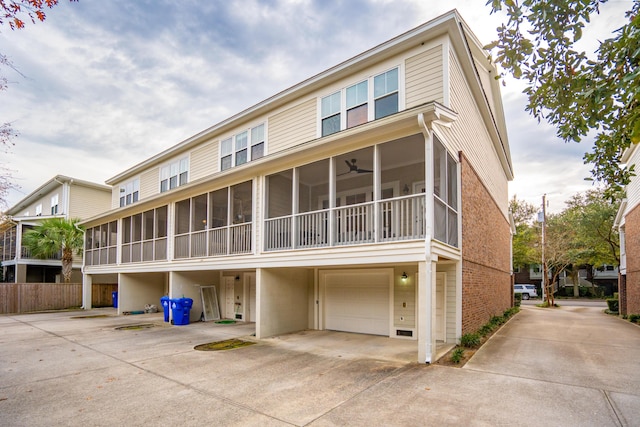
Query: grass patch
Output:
(91,316)
(135,327)
(223,345)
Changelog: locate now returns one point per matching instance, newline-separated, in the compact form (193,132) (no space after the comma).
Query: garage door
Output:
(357,302)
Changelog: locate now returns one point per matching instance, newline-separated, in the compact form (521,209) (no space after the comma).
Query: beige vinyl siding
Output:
(293,126)
(469,134)
(149,183)
(46,202)
(485,80)
(450,304)
(633,189)
(203,161)
(85,202)
(424,78)
(404,293)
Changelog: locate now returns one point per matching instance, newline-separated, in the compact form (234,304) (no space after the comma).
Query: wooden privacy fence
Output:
(28,297)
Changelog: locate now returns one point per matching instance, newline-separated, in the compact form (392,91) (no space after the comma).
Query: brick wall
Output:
(486,280)
(632,244)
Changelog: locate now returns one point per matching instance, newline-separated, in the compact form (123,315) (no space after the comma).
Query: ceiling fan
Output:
(354,168)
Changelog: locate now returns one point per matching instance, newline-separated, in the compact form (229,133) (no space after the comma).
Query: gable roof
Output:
(48,187)
(450,23)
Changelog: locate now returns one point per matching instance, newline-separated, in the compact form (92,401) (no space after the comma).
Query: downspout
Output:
(425,276)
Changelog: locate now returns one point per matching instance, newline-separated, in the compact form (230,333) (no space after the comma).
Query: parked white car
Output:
(527,291)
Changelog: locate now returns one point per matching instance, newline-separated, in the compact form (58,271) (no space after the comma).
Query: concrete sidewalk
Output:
(545,367)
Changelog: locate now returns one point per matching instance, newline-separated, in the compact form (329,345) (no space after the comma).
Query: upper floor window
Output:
(351,106)
(330,111)
(39,209)
(243,147)
(357,106)
(130,192)
(54,204)
(174,174)
(386,93)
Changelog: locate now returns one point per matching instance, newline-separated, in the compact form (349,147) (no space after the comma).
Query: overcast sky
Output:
(107,84)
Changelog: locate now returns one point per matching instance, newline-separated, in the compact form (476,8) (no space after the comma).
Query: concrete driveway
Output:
(572,366)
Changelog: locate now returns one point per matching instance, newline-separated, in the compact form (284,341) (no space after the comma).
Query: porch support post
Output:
(426,289)
(87,285)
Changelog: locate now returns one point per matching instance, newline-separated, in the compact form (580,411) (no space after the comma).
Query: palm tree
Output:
(54,235)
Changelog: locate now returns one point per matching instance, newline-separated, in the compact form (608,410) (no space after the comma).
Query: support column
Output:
(87,287)
(426,290)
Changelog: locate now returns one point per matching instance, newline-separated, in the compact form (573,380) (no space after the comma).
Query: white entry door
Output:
(357,300)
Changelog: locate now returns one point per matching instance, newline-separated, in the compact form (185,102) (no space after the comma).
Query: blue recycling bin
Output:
(181,308)
(114,299)
(165,302)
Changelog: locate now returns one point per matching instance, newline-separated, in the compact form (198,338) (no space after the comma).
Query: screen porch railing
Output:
(401,218)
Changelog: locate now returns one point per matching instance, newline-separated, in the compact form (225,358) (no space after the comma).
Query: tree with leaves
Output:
(577,93)
(526,241)
(55,235)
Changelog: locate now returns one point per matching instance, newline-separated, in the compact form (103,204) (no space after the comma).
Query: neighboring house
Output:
(370,198)
(628,223)
(62,197)
(529,274)
(605,278)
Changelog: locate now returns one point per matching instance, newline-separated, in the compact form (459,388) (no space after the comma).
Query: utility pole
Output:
(544,261)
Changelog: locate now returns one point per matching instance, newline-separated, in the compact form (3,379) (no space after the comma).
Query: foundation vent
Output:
(403,333)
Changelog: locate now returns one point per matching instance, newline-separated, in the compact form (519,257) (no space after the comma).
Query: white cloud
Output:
(110,84)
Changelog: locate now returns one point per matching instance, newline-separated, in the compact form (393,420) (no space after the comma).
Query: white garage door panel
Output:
(357,303)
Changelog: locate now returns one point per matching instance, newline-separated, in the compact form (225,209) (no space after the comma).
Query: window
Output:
(174,174)
(39,209)
(445,194)
(334,116)
(386,93)
(257,142)
(330,114)
(242,147)
(226,152)
(129,192)
(357,107)
(54,205)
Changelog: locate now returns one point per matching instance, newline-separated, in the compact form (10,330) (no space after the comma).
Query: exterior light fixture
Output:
(404,276)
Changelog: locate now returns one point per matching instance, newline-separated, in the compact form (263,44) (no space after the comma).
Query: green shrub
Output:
(613,305)
(486,329)
(510,312)
(517,300)
(470,340)
(457,355)
(634,318)
(497,320)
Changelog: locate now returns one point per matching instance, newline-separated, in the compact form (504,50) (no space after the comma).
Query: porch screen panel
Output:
(445,193)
